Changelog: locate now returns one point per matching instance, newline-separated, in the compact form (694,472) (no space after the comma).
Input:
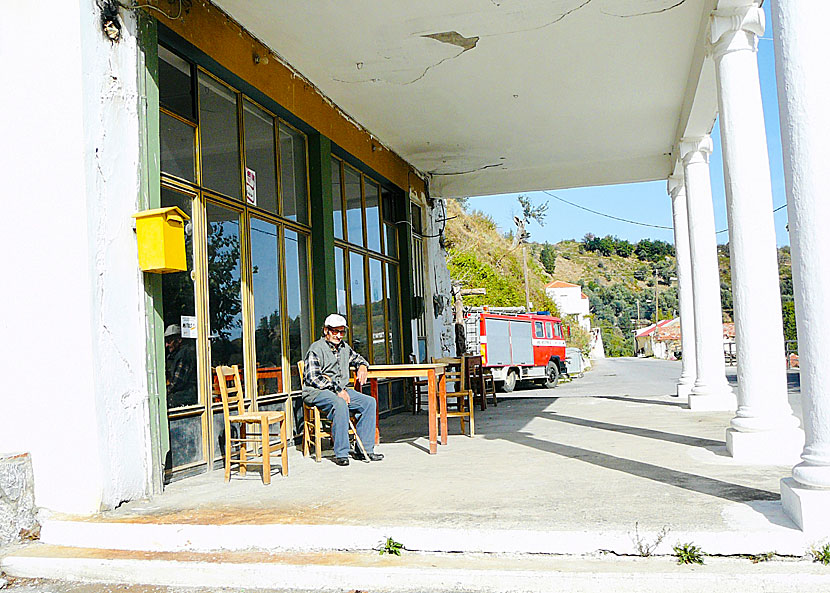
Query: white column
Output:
(764,428)
(804,98)
(677,191)
(711,390)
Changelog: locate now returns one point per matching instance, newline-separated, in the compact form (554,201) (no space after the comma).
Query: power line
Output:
(655,226)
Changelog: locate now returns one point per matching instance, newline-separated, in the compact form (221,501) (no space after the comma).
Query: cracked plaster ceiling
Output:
(496,96)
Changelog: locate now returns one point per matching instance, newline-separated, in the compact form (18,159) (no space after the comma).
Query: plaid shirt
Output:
(314,376)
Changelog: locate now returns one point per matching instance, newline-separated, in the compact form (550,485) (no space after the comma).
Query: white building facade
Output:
(346,123)
(570,300)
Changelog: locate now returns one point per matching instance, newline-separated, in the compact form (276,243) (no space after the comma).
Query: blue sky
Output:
(649,202)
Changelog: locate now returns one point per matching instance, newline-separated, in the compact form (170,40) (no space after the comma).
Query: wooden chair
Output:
(418,385)
(489,384)
(316,427)
(236,412)
(455,373)
(481,381)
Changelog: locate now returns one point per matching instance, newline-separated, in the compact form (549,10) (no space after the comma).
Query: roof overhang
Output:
(493,96)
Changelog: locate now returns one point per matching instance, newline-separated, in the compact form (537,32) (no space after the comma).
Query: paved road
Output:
(645,377)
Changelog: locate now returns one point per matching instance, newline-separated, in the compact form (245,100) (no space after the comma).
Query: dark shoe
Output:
(372,456)
(341,461)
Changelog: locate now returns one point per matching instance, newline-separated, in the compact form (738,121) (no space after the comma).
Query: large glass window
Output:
(378,309)
(178,149)
(358,323)
(176,84)
(297,300)
(179,303)
(265,279)
(336,199)
(245,173)
(293,174)
(340,272)
(219,137)
(224,288)
(393,303)
(260,158)
(372,215)
(354,206)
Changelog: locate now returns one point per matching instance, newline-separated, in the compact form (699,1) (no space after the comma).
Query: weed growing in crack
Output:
(821,554)
(765,557)
(688,553)
(390,546)
(645,547)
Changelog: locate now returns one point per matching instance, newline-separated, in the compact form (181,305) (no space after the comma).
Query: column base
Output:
(683,390)
(806,507)
(724,401)
(768,447)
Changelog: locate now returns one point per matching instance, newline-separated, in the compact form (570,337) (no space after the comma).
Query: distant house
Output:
(662,340)
(570,300)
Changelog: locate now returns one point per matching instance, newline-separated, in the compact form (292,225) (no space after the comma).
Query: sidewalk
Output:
(571,474)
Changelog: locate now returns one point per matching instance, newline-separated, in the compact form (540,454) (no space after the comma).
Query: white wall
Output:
(73,315)
(438,279)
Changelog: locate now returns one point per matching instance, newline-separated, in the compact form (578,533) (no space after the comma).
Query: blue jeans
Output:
(337,410)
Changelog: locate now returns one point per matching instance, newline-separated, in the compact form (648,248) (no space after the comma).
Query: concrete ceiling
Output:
(496,96)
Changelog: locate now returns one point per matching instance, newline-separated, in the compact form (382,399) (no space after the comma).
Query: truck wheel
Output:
(552,374)
(510,381)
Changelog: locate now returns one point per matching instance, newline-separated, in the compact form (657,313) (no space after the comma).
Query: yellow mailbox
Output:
(161,240)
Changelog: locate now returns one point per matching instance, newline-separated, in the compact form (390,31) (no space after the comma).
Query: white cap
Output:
(172,330)
(335,320)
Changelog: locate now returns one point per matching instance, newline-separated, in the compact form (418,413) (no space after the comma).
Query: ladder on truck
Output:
(472,336)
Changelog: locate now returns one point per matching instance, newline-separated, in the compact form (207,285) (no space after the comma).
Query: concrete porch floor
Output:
(581,468)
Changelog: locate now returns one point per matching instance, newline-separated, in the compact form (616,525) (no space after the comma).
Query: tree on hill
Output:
(548,258)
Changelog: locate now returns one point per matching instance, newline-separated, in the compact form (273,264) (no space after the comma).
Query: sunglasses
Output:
(335,330)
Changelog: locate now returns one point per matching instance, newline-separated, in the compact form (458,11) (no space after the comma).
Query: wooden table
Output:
(437,392)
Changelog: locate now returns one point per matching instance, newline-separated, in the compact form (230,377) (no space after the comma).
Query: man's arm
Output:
(361,365)
(314,376)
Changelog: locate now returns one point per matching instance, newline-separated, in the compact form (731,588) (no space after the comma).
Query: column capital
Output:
(736,29)
(676,186)
(696,150)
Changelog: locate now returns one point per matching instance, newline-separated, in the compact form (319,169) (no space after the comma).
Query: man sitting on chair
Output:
(325,378)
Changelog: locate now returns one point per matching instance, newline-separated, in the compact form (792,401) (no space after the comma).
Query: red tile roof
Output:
(560,284)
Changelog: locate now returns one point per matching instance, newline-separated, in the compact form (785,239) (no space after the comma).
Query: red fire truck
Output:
(517,346)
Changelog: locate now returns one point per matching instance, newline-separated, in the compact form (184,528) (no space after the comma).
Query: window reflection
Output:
(394,314)
(372,215)
(336,199)
(176,139)
(178,298)
(340,273)
(378,312)
(354,206)
(359,326)
(293,174)
(265,266)
(297,300)
(225,299)
(175,83)
(219,137)
(260,156)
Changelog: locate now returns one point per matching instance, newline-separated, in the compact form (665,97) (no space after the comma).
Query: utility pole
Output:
(521,239)
(656,302)
(524,266)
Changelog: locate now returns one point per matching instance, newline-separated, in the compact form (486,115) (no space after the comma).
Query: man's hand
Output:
(360,378)
(344,395)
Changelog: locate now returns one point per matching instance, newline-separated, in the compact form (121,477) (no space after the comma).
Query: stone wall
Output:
(17,499)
